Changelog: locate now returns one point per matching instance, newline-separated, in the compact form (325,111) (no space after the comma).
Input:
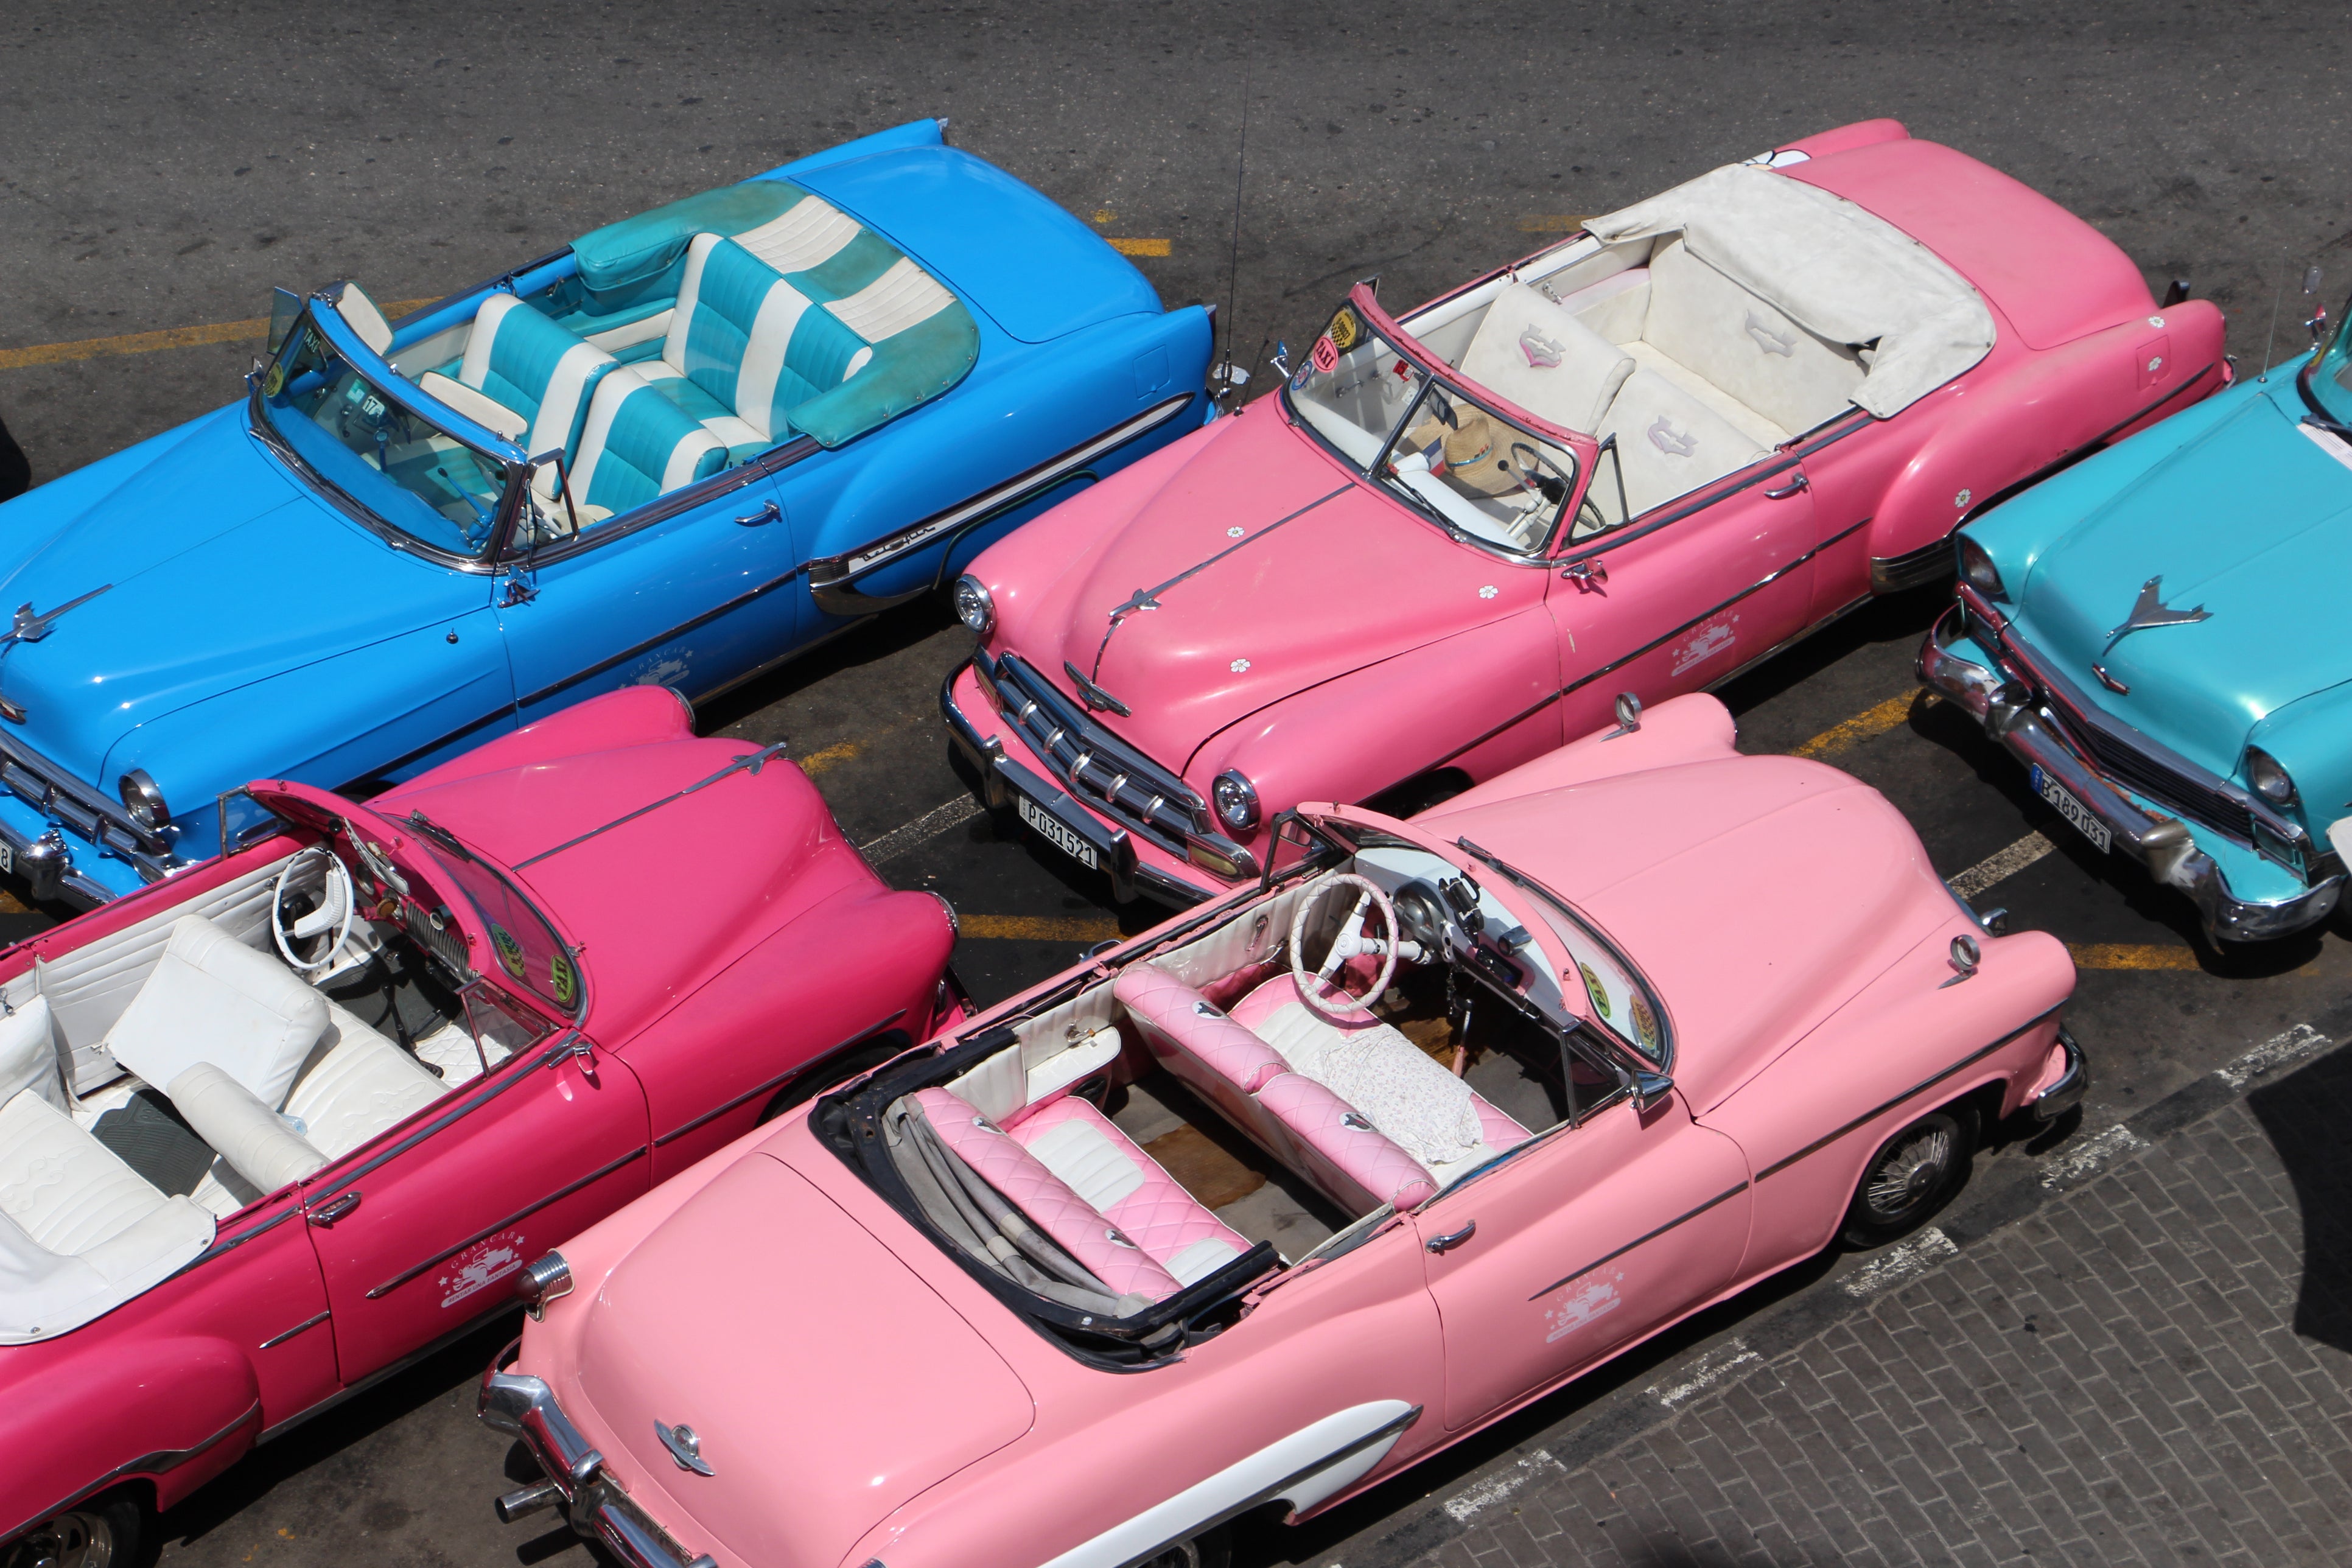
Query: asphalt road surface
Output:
(159,172)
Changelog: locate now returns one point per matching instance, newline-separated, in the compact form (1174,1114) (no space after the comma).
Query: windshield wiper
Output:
(428,829)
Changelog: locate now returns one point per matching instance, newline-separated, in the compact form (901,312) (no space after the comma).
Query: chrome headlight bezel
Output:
(974,605)
(2269,780)
(143,799)
(1975,564)
(1234,800)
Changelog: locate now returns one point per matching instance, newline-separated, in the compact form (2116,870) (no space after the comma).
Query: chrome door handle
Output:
(1791,488)
(337,1207)
(1452,1239)
(766,514)
(1586,574)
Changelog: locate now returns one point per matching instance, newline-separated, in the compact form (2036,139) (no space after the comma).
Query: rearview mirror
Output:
(1628,715)
(1651,1089)
(1966,956)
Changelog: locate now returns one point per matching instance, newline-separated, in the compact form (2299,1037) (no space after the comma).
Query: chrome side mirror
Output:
(1966,956)
(2317,325)
(1650,1090)
(1628,715)
(1995,922)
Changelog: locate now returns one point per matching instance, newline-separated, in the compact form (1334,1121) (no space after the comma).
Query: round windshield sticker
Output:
(1598,993)
(510,950)
(1645,1023)
(564,979)
(1326,354)
(275,382)
(1345,330)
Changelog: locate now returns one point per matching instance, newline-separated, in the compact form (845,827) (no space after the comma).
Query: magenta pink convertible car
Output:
(273,1127)
(1430,1119)
(1638,462)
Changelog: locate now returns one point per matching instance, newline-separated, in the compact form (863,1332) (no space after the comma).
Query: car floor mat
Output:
(150,1137)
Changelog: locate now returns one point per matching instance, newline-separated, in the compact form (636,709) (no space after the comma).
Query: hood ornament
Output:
(1094,695)
(2147,613)
(31,626)
(683,1446)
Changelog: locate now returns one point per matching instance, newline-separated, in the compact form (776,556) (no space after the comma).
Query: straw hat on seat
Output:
(1477,452)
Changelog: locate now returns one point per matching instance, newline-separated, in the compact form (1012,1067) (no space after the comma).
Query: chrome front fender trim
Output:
(831,577)
(153,1464)
(1308,1467)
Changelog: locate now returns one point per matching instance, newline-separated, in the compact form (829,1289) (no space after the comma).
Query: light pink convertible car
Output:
(1638,461)
(1437,1116)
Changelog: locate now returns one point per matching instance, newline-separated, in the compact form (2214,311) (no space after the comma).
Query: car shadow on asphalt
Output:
(857,645)
(2306,1114)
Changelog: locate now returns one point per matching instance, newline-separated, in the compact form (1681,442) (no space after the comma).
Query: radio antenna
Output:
(2270,342)
(1233,257)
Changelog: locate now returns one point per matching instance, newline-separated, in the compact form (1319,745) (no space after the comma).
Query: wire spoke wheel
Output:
(1910,1168)
(1911,1176)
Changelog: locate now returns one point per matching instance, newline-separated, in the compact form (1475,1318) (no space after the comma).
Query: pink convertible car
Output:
(1638,461)
(275,1127)
(1431,1117)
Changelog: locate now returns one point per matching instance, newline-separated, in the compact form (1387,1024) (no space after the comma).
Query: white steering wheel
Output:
(335,911)
(1350,943)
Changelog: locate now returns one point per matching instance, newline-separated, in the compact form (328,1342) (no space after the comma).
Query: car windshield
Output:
(2328,383)
(1621,1002)
(1430,441)
(355,435)
(524,944)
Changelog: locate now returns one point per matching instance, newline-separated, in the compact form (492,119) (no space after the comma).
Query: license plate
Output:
(7,857)
(1054,834)
(2078,815)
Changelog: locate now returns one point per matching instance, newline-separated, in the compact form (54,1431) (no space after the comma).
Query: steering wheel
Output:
(1350,943)
(335,911)
(1530,466)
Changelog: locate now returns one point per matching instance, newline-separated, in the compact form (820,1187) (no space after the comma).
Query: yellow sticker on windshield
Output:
(1645,1023)
(275,382)
(1597,991)
(564,979)
(510,950)
(1345,329)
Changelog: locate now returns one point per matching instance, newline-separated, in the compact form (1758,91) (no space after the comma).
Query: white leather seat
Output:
(28,1056)
(1669,443)
(210,998)
(81,1232)
(1742,346)
(254,1140)
(356,1084)
(1532,352)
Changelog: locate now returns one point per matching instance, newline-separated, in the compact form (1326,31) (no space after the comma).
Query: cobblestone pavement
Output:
(2155,1367)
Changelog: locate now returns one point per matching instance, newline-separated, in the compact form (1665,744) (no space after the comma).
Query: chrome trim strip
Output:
(830,576)
(1818,1144)
(307,1323)
(158,1462)
(1723,1196)
(781,1080)
(510,1074)
(649,644)
(524,1213)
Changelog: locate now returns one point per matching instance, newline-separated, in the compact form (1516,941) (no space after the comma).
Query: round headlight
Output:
(1236,799)
(1977,567)
(2269,779)
(143,800)
(974,606)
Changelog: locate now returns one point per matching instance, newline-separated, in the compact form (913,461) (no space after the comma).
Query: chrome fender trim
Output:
(153,1464)
(1312,1464)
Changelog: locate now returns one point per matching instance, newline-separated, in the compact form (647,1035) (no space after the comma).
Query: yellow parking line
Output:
(10,904)
(1887,715)
(1139,246)
(2128,955)
(1553,223)
(1039,927)
(169,338)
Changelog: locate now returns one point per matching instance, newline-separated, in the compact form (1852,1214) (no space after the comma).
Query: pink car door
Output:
(1577,1243)
(421,1232)
(1682,596)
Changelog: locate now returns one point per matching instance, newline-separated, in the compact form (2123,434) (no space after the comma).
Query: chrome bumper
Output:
(597,1508)
(1002,778)
(2008,712)
(2065,1094)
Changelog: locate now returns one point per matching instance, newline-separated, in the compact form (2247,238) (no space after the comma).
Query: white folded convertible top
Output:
(1840,272)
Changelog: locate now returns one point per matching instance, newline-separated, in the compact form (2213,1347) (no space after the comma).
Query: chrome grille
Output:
(2172,788)
(1089,762)
(56,793)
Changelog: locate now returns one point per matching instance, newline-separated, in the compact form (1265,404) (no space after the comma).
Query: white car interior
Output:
(159,1078)
(1344,1047)
(1700,330)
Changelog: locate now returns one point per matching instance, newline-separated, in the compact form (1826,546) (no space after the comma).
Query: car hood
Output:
(826,1383)
(220,569)
(2252,522)
(1757,893)
(1267,570)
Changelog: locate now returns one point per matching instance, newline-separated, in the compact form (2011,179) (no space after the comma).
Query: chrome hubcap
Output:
(1911,1171)
(1186,1555)
(68,1541)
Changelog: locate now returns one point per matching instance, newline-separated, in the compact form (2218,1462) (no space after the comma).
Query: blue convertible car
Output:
(2157,633)
(682,449)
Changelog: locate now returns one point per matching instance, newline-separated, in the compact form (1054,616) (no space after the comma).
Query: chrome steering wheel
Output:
(336,909)
(1350,943)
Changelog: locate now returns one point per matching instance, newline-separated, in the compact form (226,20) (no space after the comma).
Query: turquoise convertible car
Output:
(678,451)
(2157,633)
